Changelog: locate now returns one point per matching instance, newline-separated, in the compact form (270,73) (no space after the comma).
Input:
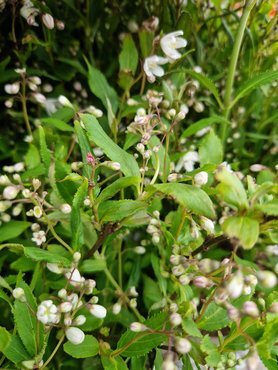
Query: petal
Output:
(181,43)
(158,71)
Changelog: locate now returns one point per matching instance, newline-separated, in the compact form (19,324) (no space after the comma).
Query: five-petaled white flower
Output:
(152,67)
(48,313)
(39,237)
(171,42)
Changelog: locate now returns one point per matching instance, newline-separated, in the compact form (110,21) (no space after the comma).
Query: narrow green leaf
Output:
(97,135)
(85,148)
(12,229)
(211,150)
(199,125)
(37,254)
(15,351)
(5,339)
(88,348)
(192,198)
(89,266)
(45,154)
(243,228)
(129,55)
(116,186)
(116,210)
(57,123)
(76,221)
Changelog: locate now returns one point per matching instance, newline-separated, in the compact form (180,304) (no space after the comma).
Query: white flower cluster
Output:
(65,314)
(169,44)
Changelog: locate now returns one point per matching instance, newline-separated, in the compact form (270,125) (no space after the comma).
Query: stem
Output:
(56,236)
(24,107)
(167,141)
(54,352)
(232,67)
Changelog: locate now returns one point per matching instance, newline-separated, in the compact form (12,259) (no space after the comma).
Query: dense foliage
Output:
(137,186)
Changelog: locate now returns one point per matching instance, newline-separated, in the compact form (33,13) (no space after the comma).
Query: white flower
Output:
(18,293)
(19,167)
(75,335)
(10,192)
(98,311)
(39,237)
(152,67)
(47,313)
(171,42)
(74,277)
(207,225)
(29,13)
(37,211)
(12,88)
(55,268)
(187,161)
(48,21)
(65,307)
(65,208)
(201,178)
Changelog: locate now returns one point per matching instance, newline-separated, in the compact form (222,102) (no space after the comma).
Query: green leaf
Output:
(244,228)
(129,55)
(99,86)
(116,186)
(211,150)
(15,351)
(12,229)
(267,342)
(270,208)
(207,83)
(5,339)
(97,135)
(29,329)
(57,123)
(254,82)
(88,348)
(154,141)
(89,266)
(37,254)
(142,343)
(214,318)
(32,158)
(45,154)
(192,198)
(211,350)
(231,189)
(191,327)
(113,363)
(204,122)
(116,210)
(146,42)
(85,148)
(76,221)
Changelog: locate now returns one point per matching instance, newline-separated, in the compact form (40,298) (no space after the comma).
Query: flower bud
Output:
(250,308)
(60,25)
(257,167)
(267,279)
(178,270)
(201,178)
(173,177)
(137,327)
(64,101)
(19,167)
(140,250)
(207,225)
(274,307)
(156,238)
(40,98)
(180,116)
(62,294)
(65,208)
(234,286)
(12,88)
(182,345)
(116,309)
(184,279)
(168,363)
(174,259)
(90,284)
(79,320)
(133,303)
(175,319)
(202,282)
(18,293)
(98,311)
(75,335)
(10,192)
(233,313)
(55,268)
(48,21)
(36,184)
(67,320)
(65,307)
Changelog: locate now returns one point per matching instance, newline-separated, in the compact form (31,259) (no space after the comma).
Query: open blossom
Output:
(48,313)
(74,277)
(39,237)
(152,67)
(171,42)
(188,161)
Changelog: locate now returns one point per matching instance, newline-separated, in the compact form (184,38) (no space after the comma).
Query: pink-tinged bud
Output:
(274,307)
(257,167)
(178,270)
(65,307)
(202,282)
(182,345)
(175,259)
(91,159)
(250,308)
(234,286)
(137,327)
(48,21)
(79,320)
(175,319)
(75,335)
(10,192)
(168,363)
(184,279)
(233,313)
(12,88)
(267,279)
(60,25)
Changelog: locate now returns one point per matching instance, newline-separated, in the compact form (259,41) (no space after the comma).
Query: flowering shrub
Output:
(138,194)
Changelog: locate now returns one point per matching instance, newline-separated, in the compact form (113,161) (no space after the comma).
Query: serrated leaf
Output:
(128,57)
(76,221)
(116,210)
(211,150)
(89,266)
(207,83)
(32,158)
(268,340)
(113,363)
(5,339)
(97,135)
(191,327)
(270,208)
(192,198)
(244,228)
(254,82)
(37,254)
(15,351)
(88,348)
(12,229)
(213,356)
(57,123)
(142,343)
(204,122)
(110,190)
(214,318)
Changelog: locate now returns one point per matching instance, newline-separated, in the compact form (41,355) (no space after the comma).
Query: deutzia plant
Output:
(138,192)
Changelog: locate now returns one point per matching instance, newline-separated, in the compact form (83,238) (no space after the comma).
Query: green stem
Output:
(232,67)
(24,107)
(54,352)
(56,236)
(167,141)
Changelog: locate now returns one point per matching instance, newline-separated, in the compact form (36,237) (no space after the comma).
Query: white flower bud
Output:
(10,192)
(12,88)
(55,268)
(35,227)
(67,320)
(180,116)
(250,308)
(156,238)
(267,279)
(64,101)
(184,279)
(74,277)
(18,293)
(140,250)
(172,177)
(98,311)
(172,112)
(60,25)
(37,211)
(257,167)
(6,217)
(234,286)
(202,282)
(39,98)
(62,294)
(4,180)
(48,21)
(233,313)
(148,154)
(178,270)
(274,307)
(65,208)
(90,284)
(246,290)
(175,319)
(116,166)
(201,178)
(26,193)
(251,280)
(140,147)
(137,327)
(133,292)
(65,307)
(168,363)
(4,205)
(182,345)
(117,307)
(19,167)
(76,257)
(75,335)
(36,184)
(207,225)
(79,320)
